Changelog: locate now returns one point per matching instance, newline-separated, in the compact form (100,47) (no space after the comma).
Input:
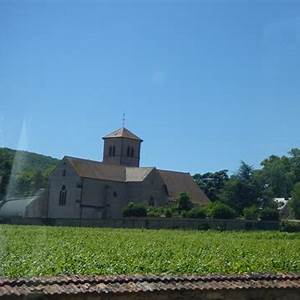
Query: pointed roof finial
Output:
(123,120)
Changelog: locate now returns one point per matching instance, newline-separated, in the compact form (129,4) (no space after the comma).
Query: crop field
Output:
(34,250)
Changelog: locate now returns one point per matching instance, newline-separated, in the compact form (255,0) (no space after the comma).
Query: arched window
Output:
(128,151)
(62,196)
(132,152)
(110,151)
(113,150)
(64,173)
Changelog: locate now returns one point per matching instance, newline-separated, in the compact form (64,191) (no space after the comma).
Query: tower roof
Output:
(123,133)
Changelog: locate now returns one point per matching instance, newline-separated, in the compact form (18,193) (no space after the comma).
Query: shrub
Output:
(155,211)
(289,226)
(168,213)
(269,214)
(196,213)
(184,202)
(135,210)
(219,210)
(250,213)
(153,214)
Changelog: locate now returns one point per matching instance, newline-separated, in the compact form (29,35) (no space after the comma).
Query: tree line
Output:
(249,193)
(249,189)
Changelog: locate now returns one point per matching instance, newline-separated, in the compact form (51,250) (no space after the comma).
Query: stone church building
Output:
(81,188)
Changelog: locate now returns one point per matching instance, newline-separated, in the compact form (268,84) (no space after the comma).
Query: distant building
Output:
(81,188)
(283,207)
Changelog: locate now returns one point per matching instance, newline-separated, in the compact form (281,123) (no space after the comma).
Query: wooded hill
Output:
(22,173)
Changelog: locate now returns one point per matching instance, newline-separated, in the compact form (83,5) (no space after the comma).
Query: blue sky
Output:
(206,84)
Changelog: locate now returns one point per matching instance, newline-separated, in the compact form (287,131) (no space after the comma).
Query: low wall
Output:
(150,223)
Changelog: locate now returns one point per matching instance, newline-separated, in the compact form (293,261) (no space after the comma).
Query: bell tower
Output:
(122,147)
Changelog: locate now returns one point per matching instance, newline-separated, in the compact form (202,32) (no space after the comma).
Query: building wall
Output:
(121,158)
(151,189)
(72,183)
(105,198)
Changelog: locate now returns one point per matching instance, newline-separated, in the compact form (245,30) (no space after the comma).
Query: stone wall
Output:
(149,223)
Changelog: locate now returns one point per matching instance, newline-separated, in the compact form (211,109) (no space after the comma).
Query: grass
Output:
(34,250)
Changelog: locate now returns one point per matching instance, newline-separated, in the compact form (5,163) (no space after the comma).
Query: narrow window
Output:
(128,151)
(132,152)
(165,188)
(115,194)
(64,173)
(113,151)
(63,196)
(151,201)
(110,150)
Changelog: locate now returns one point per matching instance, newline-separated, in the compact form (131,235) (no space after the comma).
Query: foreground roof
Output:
(123,133)
(150,286)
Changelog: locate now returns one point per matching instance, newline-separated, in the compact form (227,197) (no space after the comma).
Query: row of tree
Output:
(254,189)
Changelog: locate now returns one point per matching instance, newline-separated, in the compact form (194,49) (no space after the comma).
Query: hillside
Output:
(22,173)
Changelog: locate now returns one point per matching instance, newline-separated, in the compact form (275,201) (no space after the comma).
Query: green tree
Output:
(184,202)
(295,202)
(239,194)
(295,163)
(277,173)
(245,189)
(245,172)
(212,183)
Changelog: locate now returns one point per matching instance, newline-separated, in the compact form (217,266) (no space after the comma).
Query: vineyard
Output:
(34,251)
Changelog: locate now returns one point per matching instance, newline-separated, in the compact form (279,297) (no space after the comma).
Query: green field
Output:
(33,250)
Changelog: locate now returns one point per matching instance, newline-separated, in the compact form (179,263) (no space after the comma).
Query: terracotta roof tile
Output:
(122,133)
(85,285)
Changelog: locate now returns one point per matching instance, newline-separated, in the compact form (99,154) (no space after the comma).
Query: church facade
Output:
(80,188)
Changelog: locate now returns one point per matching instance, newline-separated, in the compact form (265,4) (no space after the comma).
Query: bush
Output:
(184,202)
(135,210)
(289,226)
(168,213)
(250,213)
(219,210)
(153,214)
(196,213)
(269,214)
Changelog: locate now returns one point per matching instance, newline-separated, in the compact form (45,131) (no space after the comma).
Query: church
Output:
(81,188)
(86,189)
